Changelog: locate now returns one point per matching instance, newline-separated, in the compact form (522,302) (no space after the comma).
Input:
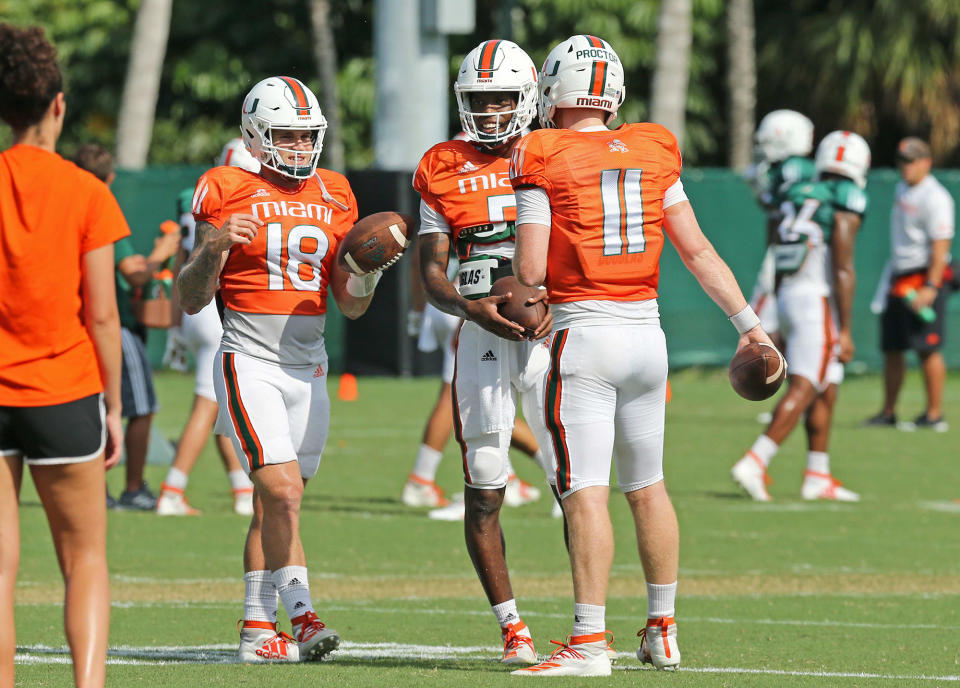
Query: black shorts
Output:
(63,433)
(901,328)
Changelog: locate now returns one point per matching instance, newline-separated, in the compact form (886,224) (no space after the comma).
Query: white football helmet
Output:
(583,71)
(282,102)
(496,66)
(844,153)
(235,154)
(783,133)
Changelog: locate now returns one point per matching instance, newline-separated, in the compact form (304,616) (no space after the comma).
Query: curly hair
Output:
(29,76)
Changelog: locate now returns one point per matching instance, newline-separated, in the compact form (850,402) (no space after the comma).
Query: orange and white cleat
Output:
(260,641)
(314,639)
(519,492)
(419,491)
(750,473)
(658,644)
(581,655)
(173,502)
(825,486)
(518,645)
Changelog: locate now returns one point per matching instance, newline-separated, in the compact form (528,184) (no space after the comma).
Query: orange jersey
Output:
(471,190)
(606,192)
(286,269)
(51,214)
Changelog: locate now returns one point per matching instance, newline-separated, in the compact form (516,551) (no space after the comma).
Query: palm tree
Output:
(671,73)
(142,84)
(881,67)
(741,81)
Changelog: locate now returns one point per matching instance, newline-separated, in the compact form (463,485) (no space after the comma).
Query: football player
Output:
(782,145)
(593,207)
(268,242)
(467,201)
(813,259)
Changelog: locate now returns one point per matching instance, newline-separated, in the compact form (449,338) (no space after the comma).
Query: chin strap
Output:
(326,194)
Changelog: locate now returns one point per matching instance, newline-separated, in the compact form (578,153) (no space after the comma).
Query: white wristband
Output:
(745,320)
(362,286)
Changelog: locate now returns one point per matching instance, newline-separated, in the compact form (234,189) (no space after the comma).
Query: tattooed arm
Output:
(434,252)
(197,282)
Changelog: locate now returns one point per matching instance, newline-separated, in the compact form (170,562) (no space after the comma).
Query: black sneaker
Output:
(881,420)
(141,499)
(923,422)
(111,502)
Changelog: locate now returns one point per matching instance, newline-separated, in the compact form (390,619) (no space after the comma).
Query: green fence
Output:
(697,332)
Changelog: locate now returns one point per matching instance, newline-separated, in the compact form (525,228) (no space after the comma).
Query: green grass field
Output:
(783,594)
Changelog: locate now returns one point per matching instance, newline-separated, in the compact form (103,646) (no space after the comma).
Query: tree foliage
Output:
(884,68)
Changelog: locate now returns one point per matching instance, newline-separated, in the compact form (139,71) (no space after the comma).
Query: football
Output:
(757,371)
(375,242)
(516,308)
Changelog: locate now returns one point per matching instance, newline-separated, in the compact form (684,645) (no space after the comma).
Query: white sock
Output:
(589,618)
(294,590)
(818,462)
(661,600)
(260,598)
(506,613)
(176,479)
(764,449)
(239,480)
(427,462)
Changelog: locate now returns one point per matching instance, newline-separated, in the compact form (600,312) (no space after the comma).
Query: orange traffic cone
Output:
(348,387)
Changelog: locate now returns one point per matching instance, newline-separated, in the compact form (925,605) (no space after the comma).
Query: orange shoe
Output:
(659,644)
(173,502)
(418,491)
(260,641)
(581,655)
(314,639)
(517,646)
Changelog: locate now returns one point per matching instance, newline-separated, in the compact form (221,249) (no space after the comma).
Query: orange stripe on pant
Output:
(829,340)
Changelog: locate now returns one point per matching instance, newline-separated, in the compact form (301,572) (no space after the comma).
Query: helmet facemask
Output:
(298,164)
(493,128)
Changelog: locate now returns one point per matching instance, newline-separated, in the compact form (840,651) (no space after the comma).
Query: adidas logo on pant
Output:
(489,356)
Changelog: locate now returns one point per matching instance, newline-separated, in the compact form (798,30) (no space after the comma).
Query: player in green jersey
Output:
(813,261)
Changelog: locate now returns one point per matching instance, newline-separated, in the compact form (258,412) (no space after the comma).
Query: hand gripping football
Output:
(376,242)
(516,308)
(757,371)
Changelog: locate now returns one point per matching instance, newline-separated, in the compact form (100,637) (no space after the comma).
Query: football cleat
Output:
(172,502)
(519,492)
(418,491)
(260,641)
(454,511)
(658,644)
(243,501)
(314,639)
(825,486)
(581,655)
(517,646)
(750,474)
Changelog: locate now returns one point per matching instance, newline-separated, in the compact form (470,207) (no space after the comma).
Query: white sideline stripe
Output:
(527,613)
(226,654)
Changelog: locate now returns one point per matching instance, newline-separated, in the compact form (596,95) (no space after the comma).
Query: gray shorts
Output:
(136,394)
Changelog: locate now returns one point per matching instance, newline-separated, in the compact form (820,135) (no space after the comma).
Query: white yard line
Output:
(226,654)
(434,611)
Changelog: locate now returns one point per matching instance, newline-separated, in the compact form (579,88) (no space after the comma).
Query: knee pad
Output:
(487,468)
